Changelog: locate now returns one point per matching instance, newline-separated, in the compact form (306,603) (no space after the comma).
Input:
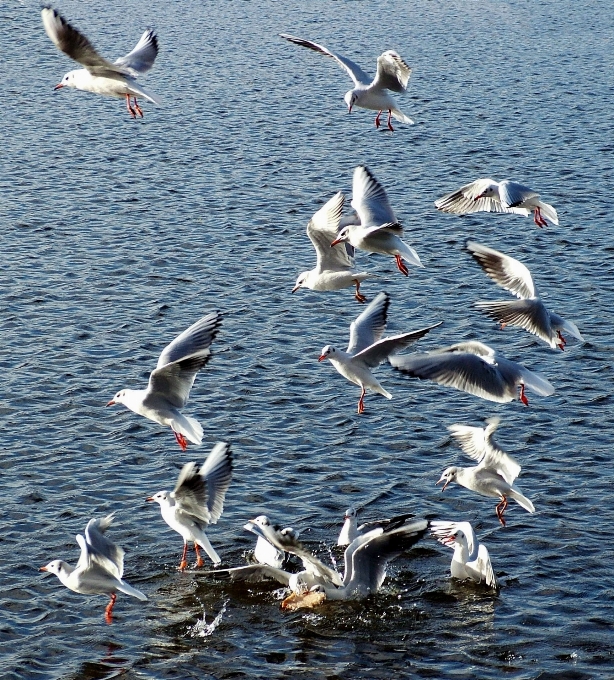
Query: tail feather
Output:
(204,543)
(145,93)
(521,500)
(400,116)
(129,590)
(549,212)
(409,254)
(189,427)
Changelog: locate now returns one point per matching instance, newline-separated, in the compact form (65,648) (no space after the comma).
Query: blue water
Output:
(118,234)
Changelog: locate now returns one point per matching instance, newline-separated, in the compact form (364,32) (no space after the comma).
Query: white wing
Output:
(374,355)
(503,270)
(369,327)
(465,200)
(322,231)
(392,72)
(142,57)
(369,199)
(513,194)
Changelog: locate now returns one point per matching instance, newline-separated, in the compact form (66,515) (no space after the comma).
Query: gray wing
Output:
(369,327)
(370,200)
(142,57)
(101,551)
(374,355)
(372,552)
(458,367)
(190,493)
(513,194)
(322,231)
(464,200)
(484,566)
(503,270)
(183,359)
(254,572)
(353,70)
(531,315)
(217,473)
(75,45)
(392,72)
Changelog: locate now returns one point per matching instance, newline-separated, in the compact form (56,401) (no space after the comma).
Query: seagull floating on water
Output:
(367,349)
(171,381)
(487,195)
(392,74)
(100,568)
(99,75)
(495,472)
(197,501)
(334,268)
(471,559)
(475,368)
(375,229)
(529,312)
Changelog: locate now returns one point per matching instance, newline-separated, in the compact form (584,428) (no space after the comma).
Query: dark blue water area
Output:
(118,234)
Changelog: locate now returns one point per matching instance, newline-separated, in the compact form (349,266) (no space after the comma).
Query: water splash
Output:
(203,629)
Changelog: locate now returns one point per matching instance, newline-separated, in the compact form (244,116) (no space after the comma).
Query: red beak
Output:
(58,86)
(447,481)
(322,357)
(149,498)
(334,243)
(43,569)
(477,198)
(111,403)
(295,289)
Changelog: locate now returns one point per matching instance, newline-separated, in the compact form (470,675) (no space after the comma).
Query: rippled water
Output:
(118,234)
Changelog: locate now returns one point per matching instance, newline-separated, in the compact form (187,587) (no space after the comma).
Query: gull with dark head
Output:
(471,559)
(367,350)
(375,229)
(529,312)
(392,74)
(487,195)
(197,501)
(100,568)
(475,368)
(495,472)
(334,269)
(171,381)
(116,79)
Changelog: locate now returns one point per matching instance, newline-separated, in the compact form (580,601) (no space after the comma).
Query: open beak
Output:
(334,243)
(321,358)
(111,403)
(443,479)
(43,569)
(58,87)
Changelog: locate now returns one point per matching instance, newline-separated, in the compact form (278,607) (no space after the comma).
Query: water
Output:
(116,235)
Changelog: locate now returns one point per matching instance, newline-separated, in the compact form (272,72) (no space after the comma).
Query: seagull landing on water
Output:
(99,75)
(487,195)
(375,228)
(367,349)
(170,383)
(495,472)
(334,268)
(471,559)
(197,501)
(392,74)
(100,568)
(529,312)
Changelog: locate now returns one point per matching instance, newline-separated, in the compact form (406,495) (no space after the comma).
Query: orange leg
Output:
(561,345)
(137,108)
(377,123)
(522,396)
(358,295)
(503,325)
(538,219)
(401,265)
(107,612)
(389,123)
(361,401)
(199,560)
(131,111)
(500,509)
(184,564)
(181,440)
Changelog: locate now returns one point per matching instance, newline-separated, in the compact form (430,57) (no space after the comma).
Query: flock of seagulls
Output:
(197,499)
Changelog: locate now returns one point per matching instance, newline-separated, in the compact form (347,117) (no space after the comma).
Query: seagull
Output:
(351,530)
(475,368)
(99,75)
(471,559)
(487,195)
(375,229)
(333,270)
(171,381)
(197,501)
(495,472)
(367,350)
(529,312)
(100,567)
(367,557)
(392,74)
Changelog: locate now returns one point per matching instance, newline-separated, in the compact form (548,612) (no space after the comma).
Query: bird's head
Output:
(54,567)
(69,80)
(491,191)
(447,476)
(327,352)
(350,99)
(119,398)
(300,282)
(350,513)
(342,236)
(162,497)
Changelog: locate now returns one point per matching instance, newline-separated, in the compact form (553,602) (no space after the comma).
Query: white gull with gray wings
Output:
(487,195)
(367,350)
(529,312)
(475,368)
(197,501)
(170,383)
(392,74)
(99,75)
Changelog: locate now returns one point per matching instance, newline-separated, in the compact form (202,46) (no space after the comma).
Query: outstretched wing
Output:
(142,57)
(465,200)
(353,70)
(370,201)
(322,231)
(101,551)
(217,473)
(374,355)
(369,327)
(392,72)
(503,270)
